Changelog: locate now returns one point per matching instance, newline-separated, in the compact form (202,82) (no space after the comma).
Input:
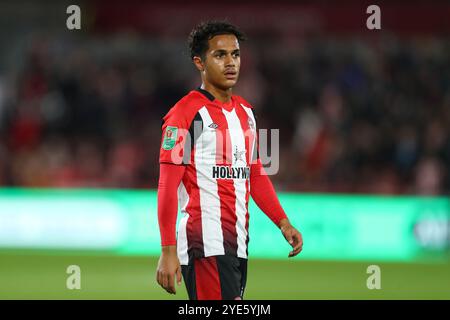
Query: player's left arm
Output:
(265,197)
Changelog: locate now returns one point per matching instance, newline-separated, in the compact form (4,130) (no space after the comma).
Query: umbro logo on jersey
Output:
(213,125)
(251,124)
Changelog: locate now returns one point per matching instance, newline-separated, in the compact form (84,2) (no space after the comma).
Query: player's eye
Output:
(236,54)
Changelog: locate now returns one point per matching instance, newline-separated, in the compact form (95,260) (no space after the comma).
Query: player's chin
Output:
(229,83)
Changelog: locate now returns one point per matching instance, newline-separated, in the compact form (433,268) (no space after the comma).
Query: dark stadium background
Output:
(359,111)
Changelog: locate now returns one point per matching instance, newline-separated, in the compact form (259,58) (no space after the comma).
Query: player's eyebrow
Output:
(225,51)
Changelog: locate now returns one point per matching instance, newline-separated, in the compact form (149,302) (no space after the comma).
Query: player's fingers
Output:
(296,252)
(159,278)
(164,281)
(298,242)
(288,237)
(179,275)
(171,283)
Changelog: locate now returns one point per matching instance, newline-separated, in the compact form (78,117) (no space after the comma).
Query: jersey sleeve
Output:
(264,195)
(176,141)
(170,177)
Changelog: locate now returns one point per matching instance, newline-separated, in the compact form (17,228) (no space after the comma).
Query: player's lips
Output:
(230,74)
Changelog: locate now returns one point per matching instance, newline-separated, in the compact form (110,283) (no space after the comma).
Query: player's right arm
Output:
(168,266)
(173,152)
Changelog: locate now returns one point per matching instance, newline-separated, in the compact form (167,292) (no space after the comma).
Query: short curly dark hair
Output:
(199,36)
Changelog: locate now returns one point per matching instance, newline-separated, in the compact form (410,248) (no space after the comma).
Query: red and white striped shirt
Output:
(217,144)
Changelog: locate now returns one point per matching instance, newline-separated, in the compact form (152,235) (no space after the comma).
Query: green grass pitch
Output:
(25,275)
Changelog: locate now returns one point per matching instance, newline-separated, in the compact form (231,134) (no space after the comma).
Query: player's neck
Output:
(223,96)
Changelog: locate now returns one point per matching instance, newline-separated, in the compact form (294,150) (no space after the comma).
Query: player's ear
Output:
(198,63)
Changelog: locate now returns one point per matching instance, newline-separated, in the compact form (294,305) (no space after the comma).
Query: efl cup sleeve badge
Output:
(170,138)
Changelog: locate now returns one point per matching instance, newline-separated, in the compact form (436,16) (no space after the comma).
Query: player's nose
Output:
(229,61)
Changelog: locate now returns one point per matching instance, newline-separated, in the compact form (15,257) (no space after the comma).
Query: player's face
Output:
(222,61)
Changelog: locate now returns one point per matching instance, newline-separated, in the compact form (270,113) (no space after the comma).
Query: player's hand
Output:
(293,236)
(168,268)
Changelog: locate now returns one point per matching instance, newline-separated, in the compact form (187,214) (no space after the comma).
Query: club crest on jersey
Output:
(238,155)
(170,138)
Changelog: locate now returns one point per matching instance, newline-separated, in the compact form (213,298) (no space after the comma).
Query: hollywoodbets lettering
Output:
(227,172)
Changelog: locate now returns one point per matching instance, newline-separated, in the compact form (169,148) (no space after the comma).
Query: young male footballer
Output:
(209,166)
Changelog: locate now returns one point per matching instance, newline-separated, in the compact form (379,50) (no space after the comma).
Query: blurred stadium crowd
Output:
(355,115)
